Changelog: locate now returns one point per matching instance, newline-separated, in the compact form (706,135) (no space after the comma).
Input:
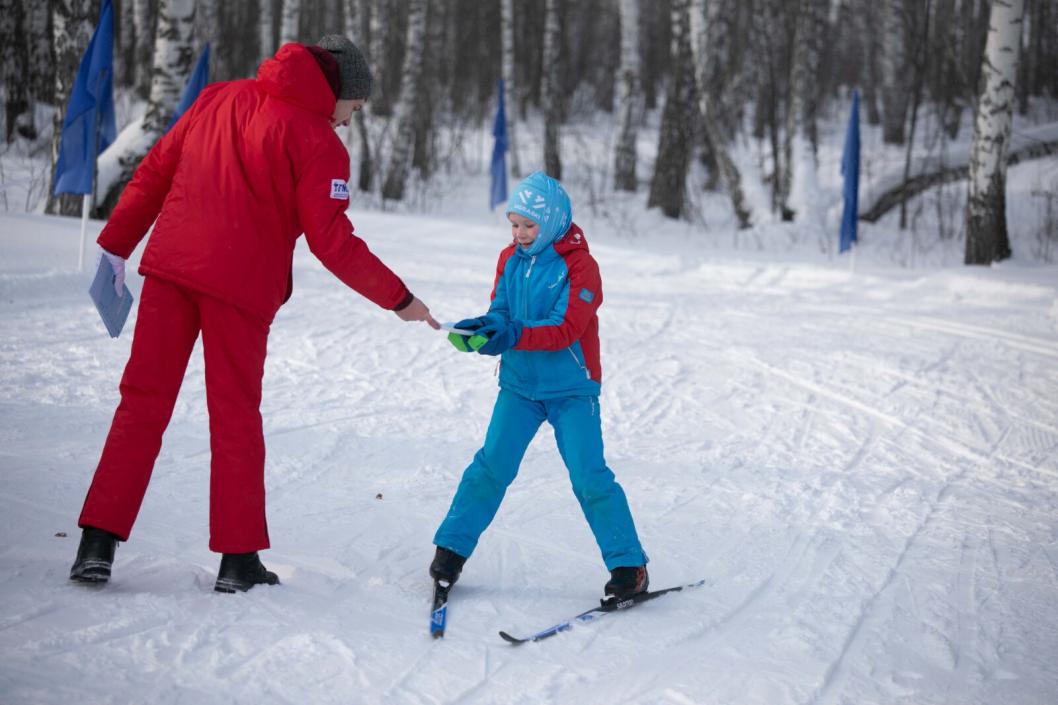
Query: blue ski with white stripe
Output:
(439,615)
(605,607)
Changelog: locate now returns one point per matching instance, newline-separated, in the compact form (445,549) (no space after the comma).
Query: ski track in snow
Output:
(863,467)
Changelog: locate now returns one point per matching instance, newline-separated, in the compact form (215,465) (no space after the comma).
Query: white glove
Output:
(118,265)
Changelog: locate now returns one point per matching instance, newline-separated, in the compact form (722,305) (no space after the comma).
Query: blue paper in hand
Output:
(113,309)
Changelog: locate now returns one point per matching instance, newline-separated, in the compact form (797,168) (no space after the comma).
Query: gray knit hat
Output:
(352,66)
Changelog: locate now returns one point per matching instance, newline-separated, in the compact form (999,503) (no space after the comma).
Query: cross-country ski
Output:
(605,607)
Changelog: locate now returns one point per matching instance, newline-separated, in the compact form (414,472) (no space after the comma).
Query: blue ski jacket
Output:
(555,293)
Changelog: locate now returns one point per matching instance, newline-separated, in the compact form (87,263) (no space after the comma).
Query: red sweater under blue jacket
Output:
(555,295)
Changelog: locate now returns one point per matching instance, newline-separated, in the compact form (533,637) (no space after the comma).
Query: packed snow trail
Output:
(863,466)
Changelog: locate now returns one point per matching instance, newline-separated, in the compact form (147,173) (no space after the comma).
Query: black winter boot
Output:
(626,582)
(95,555)
(241,571)
(447,565)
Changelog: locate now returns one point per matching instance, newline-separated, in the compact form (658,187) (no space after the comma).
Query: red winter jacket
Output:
(233,184)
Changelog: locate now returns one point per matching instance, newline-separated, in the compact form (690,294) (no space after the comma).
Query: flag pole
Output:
(85,206)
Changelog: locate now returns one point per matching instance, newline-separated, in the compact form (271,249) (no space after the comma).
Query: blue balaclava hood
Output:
(543,200)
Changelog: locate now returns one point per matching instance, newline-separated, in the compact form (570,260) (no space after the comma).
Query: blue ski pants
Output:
(578,431)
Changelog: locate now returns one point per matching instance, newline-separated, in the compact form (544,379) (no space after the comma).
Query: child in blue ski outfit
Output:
(543,322)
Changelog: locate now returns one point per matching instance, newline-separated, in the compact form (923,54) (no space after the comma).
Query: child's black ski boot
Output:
(241,571)
(447,565)
(95,555)
(627,582)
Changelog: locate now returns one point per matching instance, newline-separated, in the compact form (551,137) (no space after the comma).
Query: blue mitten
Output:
(503,339)
(475,323)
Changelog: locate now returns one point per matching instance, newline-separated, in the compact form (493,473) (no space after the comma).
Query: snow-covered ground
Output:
(862,466)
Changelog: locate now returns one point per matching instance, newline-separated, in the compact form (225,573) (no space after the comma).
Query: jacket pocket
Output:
(578,359)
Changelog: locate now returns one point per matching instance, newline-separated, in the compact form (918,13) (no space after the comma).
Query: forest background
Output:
(750,85)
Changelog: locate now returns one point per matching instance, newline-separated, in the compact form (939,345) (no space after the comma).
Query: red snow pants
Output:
(234,346)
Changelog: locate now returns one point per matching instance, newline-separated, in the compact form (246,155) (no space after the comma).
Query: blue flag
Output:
(197,81)
(498,191)
(89,127)
(850,169)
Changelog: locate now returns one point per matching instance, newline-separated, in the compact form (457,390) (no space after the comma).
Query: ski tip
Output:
(512,639)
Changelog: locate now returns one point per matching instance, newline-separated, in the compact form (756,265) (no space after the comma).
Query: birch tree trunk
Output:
(124,44)
(72,27)
(1029,31)
(986,218)
(429,95)
(13,56)
(357,26)
(403,141)
(704,18)
(551,92)
(627,103)
(510,86)
(865,17)
(207,30)
(381,104)
(265,30)
(952,89)
(799,185)
(767,47)
(290,23)
(144,21)
(41,56)
(357,29)
(894,68)
(173,59)
(668,187)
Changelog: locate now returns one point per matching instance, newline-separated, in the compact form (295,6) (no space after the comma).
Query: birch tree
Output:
(769,52)
(428,97)
(379,24)
(28,66)
(173,60)
(265,30)
(627,103)
(895,89)
(357,27)
(290,22)
(399,166)
(705,15)
(510,87)
(986,218)
(948,81)
(124,44)
(551,92)
(863,16)
(668,187)
(207,30)
(13,55)
(798,183)
(73,22)
(143,19)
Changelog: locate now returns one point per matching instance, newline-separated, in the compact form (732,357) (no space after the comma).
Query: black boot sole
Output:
(231,586)
(92,572)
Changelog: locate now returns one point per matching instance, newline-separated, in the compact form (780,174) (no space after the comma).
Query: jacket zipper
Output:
(587,373)
(525,311)
(525,289)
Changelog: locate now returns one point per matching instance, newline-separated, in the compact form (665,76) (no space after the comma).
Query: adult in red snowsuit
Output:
(229,188)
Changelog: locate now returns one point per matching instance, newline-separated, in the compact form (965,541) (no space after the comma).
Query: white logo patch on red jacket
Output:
(339,190)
